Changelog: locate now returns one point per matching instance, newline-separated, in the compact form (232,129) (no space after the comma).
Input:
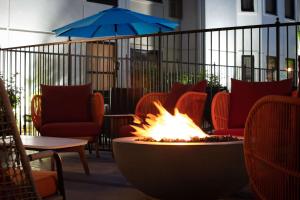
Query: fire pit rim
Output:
(134,141)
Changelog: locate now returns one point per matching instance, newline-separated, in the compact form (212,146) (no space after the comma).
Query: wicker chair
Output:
(97,112)
(17,180)
(220,110)
(190,103)
(272,147)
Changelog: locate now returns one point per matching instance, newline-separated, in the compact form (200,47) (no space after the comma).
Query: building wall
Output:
(32,21)
(220,13)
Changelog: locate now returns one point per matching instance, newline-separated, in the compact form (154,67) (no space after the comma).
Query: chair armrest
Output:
(59,171)
(145,104)
(36,111)
(192,104)
(220,110)
(97,108)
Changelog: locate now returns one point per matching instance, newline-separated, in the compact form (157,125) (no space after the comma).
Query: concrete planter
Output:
(182,170)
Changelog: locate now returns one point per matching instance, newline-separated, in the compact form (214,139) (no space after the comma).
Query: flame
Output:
(167,126)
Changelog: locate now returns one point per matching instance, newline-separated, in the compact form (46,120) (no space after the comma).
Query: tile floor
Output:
(105,182)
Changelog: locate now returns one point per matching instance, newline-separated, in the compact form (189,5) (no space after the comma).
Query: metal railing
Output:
(128,67)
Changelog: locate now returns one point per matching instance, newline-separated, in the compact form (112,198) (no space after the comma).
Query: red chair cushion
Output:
(179,89)
(66,103)
(245,94)
(233,132)
(70,129)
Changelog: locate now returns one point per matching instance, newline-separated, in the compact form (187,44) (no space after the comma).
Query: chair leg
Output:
(89,148)
(52,161)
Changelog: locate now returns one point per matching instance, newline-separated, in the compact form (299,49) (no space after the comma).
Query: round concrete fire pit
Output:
(182,170)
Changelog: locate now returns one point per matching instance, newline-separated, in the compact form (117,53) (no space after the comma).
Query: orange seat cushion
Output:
(70,129)
(46,182)
(66,103)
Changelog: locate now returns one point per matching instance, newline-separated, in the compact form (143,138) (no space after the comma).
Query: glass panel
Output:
(247,67)
(108,2)
(247,5)
(271,68)
(175,9)
(290,9)
(271,7)
(290,66)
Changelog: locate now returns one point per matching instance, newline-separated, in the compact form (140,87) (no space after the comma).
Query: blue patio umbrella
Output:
(116,22)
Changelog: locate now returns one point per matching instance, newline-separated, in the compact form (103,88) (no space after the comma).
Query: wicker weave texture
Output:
(190,103)
(272,148)
(145,104)
(15,174)
(220,110)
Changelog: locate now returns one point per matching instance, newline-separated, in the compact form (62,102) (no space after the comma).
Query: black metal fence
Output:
(127,67)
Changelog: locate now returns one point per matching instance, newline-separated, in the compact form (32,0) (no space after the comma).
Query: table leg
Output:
(97,149)
(83,160)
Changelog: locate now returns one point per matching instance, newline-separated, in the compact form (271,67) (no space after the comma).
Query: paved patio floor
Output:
(105,182)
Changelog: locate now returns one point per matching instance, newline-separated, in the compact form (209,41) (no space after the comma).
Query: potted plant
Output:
(12,90)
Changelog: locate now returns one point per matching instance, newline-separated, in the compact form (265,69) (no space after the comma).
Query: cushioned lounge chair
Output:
(68,111)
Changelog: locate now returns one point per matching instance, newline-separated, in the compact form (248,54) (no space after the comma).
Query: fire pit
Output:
(181,170)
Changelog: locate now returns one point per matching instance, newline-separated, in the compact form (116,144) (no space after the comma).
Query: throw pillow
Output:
(245,94)
(179,89)
(66,103)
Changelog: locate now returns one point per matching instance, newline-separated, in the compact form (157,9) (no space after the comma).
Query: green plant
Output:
(212,80)
(12,90)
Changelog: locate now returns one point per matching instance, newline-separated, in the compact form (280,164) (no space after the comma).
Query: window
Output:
(108,2)
(175,8)
(290,66)
(142,60)
(247,67)
(247,5)
(290,9)
(271,68)
(271,7)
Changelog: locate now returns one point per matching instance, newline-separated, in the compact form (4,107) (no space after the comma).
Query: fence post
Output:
(159,62)
(69,62)
(298,93)
(277,23)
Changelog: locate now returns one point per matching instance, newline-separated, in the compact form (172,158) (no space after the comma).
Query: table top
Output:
(50,143)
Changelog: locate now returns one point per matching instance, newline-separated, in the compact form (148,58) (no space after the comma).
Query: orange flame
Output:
(167,126)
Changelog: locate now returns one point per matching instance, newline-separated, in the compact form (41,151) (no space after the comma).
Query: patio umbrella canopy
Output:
(116,22)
